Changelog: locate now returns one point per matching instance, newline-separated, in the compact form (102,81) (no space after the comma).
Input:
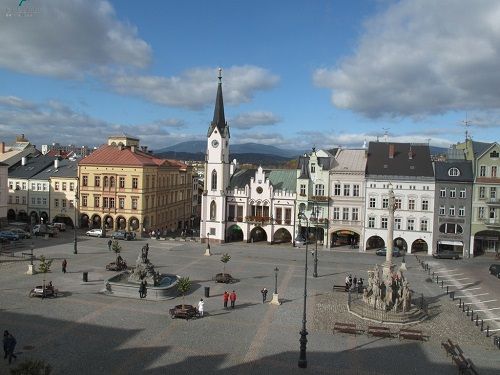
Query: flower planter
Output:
(223,278)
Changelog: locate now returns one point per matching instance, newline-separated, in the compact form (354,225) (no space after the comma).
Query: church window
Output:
(214,180)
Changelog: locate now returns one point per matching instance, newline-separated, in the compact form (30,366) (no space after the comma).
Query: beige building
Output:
(123,186)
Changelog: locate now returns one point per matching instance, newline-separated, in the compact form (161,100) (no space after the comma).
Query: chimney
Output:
(391,151)
(410,154)
(24,159)
(132,148)
(2,148)
(56,163)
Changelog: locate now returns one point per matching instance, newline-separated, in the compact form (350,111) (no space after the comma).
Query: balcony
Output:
(492,223)
(319,198)
(493,202)
(261,220)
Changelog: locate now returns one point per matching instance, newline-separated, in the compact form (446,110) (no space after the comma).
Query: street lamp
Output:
(315,272)
(207,251)
(75,245)
(276,269)
(303,333)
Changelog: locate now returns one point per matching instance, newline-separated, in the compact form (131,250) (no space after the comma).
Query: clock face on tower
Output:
(215,143)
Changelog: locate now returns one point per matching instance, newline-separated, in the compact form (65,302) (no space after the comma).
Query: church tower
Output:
(217,174)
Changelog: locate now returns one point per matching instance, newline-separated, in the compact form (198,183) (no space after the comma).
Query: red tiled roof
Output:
(113,155)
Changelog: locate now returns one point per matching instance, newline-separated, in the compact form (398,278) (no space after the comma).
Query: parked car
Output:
(121,235)
(60,226)
(94,233)
(446,254)
(11,236)
(21,233)
(495,270)
(43,229)
(395,252)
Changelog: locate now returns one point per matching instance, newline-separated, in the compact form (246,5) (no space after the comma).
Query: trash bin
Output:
(85,276)
(207,291)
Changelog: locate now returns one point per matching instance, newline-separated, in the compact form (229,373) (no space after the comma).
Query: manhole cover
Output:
(28,347)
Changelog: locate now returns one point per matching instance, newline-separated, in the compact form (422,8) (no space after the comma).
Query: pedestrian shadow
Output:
(208,314)
(332,274)
(239,306)
(285,300)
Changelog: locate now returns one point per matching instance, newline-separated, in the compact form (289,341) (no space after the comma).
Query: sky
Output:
(296,74)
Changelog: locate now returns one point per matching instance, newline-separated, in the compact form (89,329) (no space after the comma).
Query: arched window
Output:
(111,182)
(105,181)
(213,210)
(214,180)
(453,172)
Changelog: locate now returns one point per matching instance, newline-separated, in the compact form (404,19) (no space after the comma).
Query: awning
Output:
(452,243)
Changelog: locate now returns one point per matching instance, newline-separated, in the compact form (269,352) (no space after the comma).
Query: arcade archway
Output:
(486,241)
(84,221)
(419,246)
(374,242)
(133,223)
(234,234)
(108,222)
(11,215)
(343,237)
(258,234)
(401,244)
(96,221)
(282,235)
(121,223)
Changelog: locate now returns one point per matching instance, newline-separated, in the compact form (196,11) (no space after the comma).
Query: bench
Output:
(340,288)
(465,365)
(379,331)
(28,255)
(411,334)
(345,328)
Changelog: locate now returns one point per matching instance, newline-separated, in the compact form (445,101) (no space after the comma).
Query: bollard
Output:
(459,302)
(467,310)
(452,296)
(433,276)
(481,325)
(447,290)
(487,331)
(442,285)
(472,316)
(428,271)
(477,320)
(463,307)
(437,279)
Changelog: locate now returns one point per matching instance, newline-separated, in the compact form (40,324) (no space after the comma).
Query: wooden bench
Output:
(411,334)
(340,288)
(379,331)
(465,365)
(345,327)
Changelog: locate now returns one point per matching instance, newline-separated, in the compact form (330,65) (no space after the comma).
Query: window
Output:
(85,181)
(71,205)
(411,224)
(345,213)
(355,214)
(121,181)
(135,182)
(355,190)
(84,200)
(112,182)
(423,225)
(147,182)
(134,203)
(319,189)
(71,186)
(313,168)
(24,200)
(105,181)
(97,181)
(33,186)
(451,211)
(385,202)
(397,203)
(411,204)
(56,202)
(371,222)
(493,192)
(482,171)
(383,223)
(453,193)
(214,181)
(372,202)
(461,211)
(442,210)
(39,187)
(425,205)
(44,201)
(111,202)
(56,186)
(442,193)
(39,201)
(336,213)
(480,213)
(482,192)
(64,185)
(44,187)
(121,203)
(96,201)
(336,190)
(24,185)
(347,190)
(494,171)
(213,210)
(450,228)
(11,185)
(33,200)
(63,202)
(453,172)
(398,223)
(10,199)
(463,194)
(303,190)
(105,202)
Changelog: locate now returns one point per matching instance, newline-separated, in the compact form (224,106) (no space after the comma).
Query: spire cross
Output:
(220,75)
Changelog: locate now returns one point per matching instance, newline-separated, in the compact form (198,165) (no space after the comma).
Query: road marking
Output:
(478,302)
(463,278)
(490,319)
(474,295)
(493,308)
(447,271)
(465,290)
(494,330)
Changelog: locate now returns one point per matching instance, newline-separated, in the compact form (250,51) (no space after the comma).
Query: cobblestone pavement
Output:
(85,332)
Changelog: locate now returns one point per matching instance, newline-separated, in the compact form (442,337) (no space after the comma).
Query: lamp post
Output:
(303,333)
(75,243)
(276,300)
(315,271)
(207,251)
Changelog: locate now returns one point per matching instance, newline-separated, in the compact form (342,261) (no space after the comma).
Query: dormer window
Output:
(453,172)
(313,168)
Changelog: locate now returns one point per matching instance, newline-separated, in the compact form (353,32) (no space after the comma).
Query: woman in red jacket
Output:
(232,298)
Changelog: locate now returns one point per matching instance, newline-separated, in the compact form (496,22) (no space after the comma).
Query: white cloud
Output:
(195,88)
(69,38)
(421,58)
(249,120)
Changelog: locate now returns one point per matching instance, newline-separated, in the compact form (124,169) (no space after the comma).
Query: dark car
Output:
(446,254)
(11,236)
(121,235)
(383,251)
(495,270)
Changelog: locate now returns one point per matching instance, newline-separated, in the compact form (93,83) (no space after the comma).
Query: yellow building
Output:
(122,186)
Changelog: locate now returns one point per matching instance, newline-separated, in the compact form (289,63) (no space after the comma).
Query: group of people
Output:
(9,345)
(353,283)
(229,297)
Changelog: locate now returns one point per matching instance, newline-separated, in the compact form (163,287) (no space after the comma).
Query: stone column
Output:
(388,267)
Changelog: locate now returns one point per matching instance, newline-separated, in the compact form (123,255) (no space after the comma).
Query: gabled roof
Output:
(350,160)
(280,179)
(119,155)
(380,163)
(441,169)
(485,150)
(33,166)
(303,166)
(67,168)
(479,148)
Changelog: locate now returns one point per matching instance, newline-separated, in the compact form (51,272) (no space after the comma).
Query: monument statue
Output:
(144,270)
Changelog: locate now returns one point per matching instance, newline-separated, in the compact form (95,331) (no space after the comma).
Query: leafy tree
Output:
(117,248)
(224,259)
(183,286)
(45,264)
(32,367)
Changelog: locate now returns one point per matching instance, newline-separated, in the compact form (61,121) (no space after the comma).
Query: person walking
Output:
(64,264)
(110,242)
(226,298)
(5,344)
(347,283)
(10,342)
(232,298)
(264,294)
(200,307)
(354,282)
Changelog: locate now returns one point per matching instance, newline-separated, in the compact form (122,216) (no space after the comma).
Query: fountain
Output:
(126,284)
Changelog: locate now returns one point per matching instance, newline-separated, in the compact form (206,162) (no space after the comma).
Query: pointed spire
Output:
(219,119)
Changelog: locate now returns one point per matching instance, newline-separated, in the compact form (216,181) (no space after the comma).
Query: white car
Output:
(94,233)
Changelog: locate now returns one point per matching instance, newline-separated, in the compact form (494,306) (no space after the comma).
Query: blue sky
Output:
(296,74)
